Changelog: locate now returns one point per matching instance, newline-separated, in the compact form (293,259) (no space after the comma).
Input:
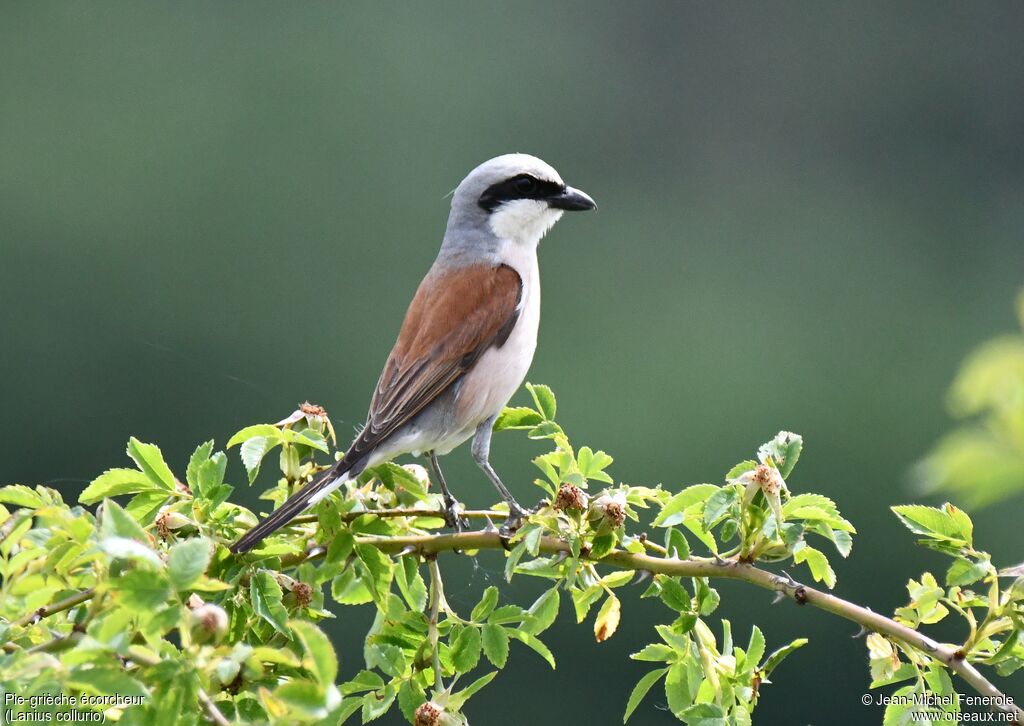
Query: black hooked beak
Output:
(571,200)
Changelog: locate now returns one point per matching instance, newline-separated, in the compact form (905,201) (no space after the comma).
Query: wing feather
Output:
(454,317)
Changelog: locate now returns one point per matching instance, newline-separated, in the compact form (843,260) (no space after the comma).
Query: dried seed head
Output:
(429,714)
(570,496)
(167,520)
(767,478)
(608,510)
(312,409)
(615,513)
(303,594)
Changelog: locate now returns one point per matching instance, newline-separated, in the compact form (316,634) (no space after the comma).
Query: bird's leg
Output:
(451,504)
(481,452)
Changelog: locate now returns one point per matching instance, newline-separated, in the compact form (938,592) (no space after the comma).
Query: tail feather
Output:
(294,506)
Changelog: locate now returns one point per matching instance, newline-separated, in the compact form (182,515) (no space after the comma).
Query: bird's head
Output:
(516,197)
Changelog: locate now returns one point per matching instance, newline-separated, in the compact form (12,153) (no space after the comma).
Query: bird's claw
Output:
(453,516)
(516,517)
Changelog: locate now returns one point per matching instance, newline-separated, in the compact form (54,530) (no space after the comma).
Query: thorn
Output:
(407,550)
(561,557)
(861,632)
(790,581)
(641,577)
(778,597)
(718,559)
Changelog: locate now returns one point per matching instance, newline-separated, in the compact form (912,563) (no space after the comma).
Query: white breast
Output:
(500,372)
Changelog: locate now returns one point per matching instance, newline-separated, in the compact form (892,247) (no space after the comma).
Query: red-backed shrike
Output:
(468,337)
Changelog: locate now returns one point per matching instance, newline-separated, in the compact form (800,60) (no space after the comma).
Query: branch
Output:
(952,656)
(66,604)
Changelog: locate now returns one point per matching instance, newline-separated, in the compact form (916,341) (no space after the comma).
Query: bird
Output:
(467,340)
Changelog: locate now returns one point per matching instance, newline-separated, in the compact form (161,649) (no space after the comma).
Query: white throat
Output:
(523,221)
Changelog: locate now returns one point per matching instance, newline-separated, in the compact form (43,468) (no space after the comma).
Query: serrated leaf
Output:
(966,572)
(784,451)
(755,648)
(465,651)
(932,522)
(520,417)
(543,612)
(265,595)
(323,662)
(486,605)
(186,561)
(140,591)
(20,495)
(495,644)
(544,399)
(640,690)
(534,644)
(264,430)
(151,461)
(115,482)
(821,571)
(115,522)
(683,500)
(773,661)
(253,451)
(607,621)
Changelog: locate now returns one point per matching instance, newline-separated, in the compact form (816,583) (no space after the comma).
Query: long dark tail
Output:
(293,506)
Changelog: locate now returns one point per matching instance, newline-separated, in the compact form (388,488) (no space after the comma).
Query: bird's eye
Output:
(526,185)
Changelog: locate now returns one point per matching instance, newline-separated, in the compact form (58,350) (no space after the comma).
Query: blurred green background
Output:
(809,214)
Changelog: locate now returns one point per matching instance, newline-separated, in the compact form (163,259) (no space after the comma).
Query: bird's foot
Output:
(453,515)
(516,517)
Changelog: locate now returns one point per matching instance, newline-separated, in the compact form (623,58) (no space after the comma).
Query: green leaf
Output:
(742,468)
(187,560)
(517,418)
(543,612)
(654,653)
(755,649)
(265,595)
(718,504)
(674,595)
(323,661)
(410,583)
(544,399)
(784,451)
(682,501)
(534,644)
(115,522)
(486,605)
(20,495)
(607,621)
(263,430)
(457,700)
(151,461)
(704,714)
(140,591)
(779,655)
(681,684)
(115,482)
(495,644)
(363,681)
(252,453)
(640,690)
(199,456)
(934,523)
(816,560)
(465,651)
(105,681)
(966,572)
